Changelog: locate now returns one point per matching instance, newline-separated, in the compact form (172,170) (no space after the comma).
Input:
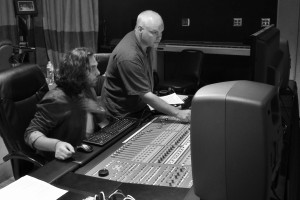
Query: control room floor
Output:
(7,182)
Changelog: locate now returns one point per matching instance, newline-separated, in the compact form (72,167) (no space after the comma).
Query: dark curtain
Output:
(68,24)
(8,27)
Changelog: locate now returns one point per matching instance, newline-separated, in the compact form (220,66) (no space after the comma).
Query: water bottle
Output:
(50,73)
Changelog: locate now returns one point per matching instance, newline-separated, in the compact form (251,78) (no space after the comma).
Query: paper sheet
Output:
(170,99)
(30,188)
(182,97)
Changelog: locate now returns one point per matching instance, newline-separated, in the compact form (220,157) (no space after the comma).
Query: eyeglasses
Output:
(116,195)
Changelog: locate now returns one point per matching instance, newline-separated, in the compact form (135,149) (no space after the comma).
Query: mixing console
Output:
(157,154)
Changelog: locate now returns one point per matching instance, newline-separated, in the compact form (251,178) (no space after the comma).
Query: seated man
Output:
(129,76)
(68,112)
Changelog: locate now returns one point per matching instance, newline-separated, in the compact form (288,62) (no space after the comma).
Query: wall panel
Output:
(210,20)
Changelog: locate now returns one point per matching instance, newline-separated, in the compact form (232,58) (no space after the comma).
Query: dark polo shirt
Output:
(128,75)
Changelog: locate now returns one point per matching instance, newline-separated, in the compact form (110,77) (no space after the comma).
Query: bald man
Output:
(129,77)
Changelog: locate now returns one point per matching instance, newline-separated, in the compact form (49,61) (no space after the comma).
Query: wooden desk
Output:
(207,48)
(222,62)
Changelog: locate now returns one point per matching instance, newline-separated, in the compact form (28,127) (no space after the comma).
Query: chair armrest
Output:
(22,156)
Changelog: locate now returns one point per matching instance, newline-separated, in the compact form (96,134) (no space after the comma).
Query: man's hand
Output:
(160,105)
(184,115)
(63,150)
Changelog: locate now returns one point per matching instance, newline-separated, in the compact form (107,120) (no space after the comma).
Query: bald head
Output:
(149,18)
(149,28)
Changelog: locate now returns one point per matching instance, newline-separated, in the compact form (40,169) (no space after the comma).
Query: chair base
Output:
(21,168)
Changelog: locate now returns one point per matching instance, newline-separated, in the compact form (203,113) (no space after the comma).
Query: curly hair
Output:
(71,75)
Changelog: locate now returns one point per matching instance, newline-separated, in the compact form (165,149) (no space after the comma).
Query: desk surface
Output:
(80,186)
(70,174)
(223,48)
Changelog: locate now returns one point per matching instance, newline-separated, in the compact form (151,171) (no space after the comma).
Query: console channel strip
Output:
(157,154)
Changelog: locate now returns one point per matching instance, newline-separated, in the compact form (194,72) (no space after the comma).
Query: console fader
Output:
(157,154)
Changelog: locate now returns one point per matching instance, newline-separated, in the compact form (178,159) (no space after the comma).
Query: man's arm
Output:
(38,140)
(160,105)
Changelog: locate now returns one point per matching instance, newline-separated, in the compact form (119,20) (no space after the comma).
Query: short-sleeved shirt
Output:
(128,75)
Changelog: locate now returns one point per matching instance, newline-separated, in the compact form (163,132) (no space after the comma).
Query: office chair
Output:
(182,72)
(102,59)
(21,88)
(6,50)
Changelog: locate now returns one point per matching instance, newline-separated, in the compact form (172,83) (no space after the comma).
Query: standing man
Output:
(129,77)
(68,112)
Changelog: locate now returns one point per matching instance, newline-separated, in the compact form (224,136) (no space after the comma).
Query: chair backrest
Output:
(102,59)
(192,64)
(184,65)
(21,88)
(6,50)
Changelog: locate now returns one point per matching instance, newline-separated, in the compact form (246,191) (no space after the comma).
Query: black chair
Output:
(102,59)
(6,50)
(182,71)
(21,88)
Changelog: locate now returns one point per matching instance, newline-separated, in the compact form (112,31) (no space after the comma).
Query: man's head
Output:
(149,28)
(77,71)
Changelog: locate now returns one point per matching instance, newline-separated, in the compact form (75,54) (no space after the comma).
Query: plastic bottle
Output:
(50,73)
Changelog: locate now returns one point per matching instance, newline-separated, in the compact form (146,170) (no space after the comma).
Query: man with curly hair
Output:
(68,112)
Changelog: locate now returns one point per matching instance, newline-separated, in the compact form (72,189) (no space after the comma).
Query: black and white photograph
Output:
(150,99)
